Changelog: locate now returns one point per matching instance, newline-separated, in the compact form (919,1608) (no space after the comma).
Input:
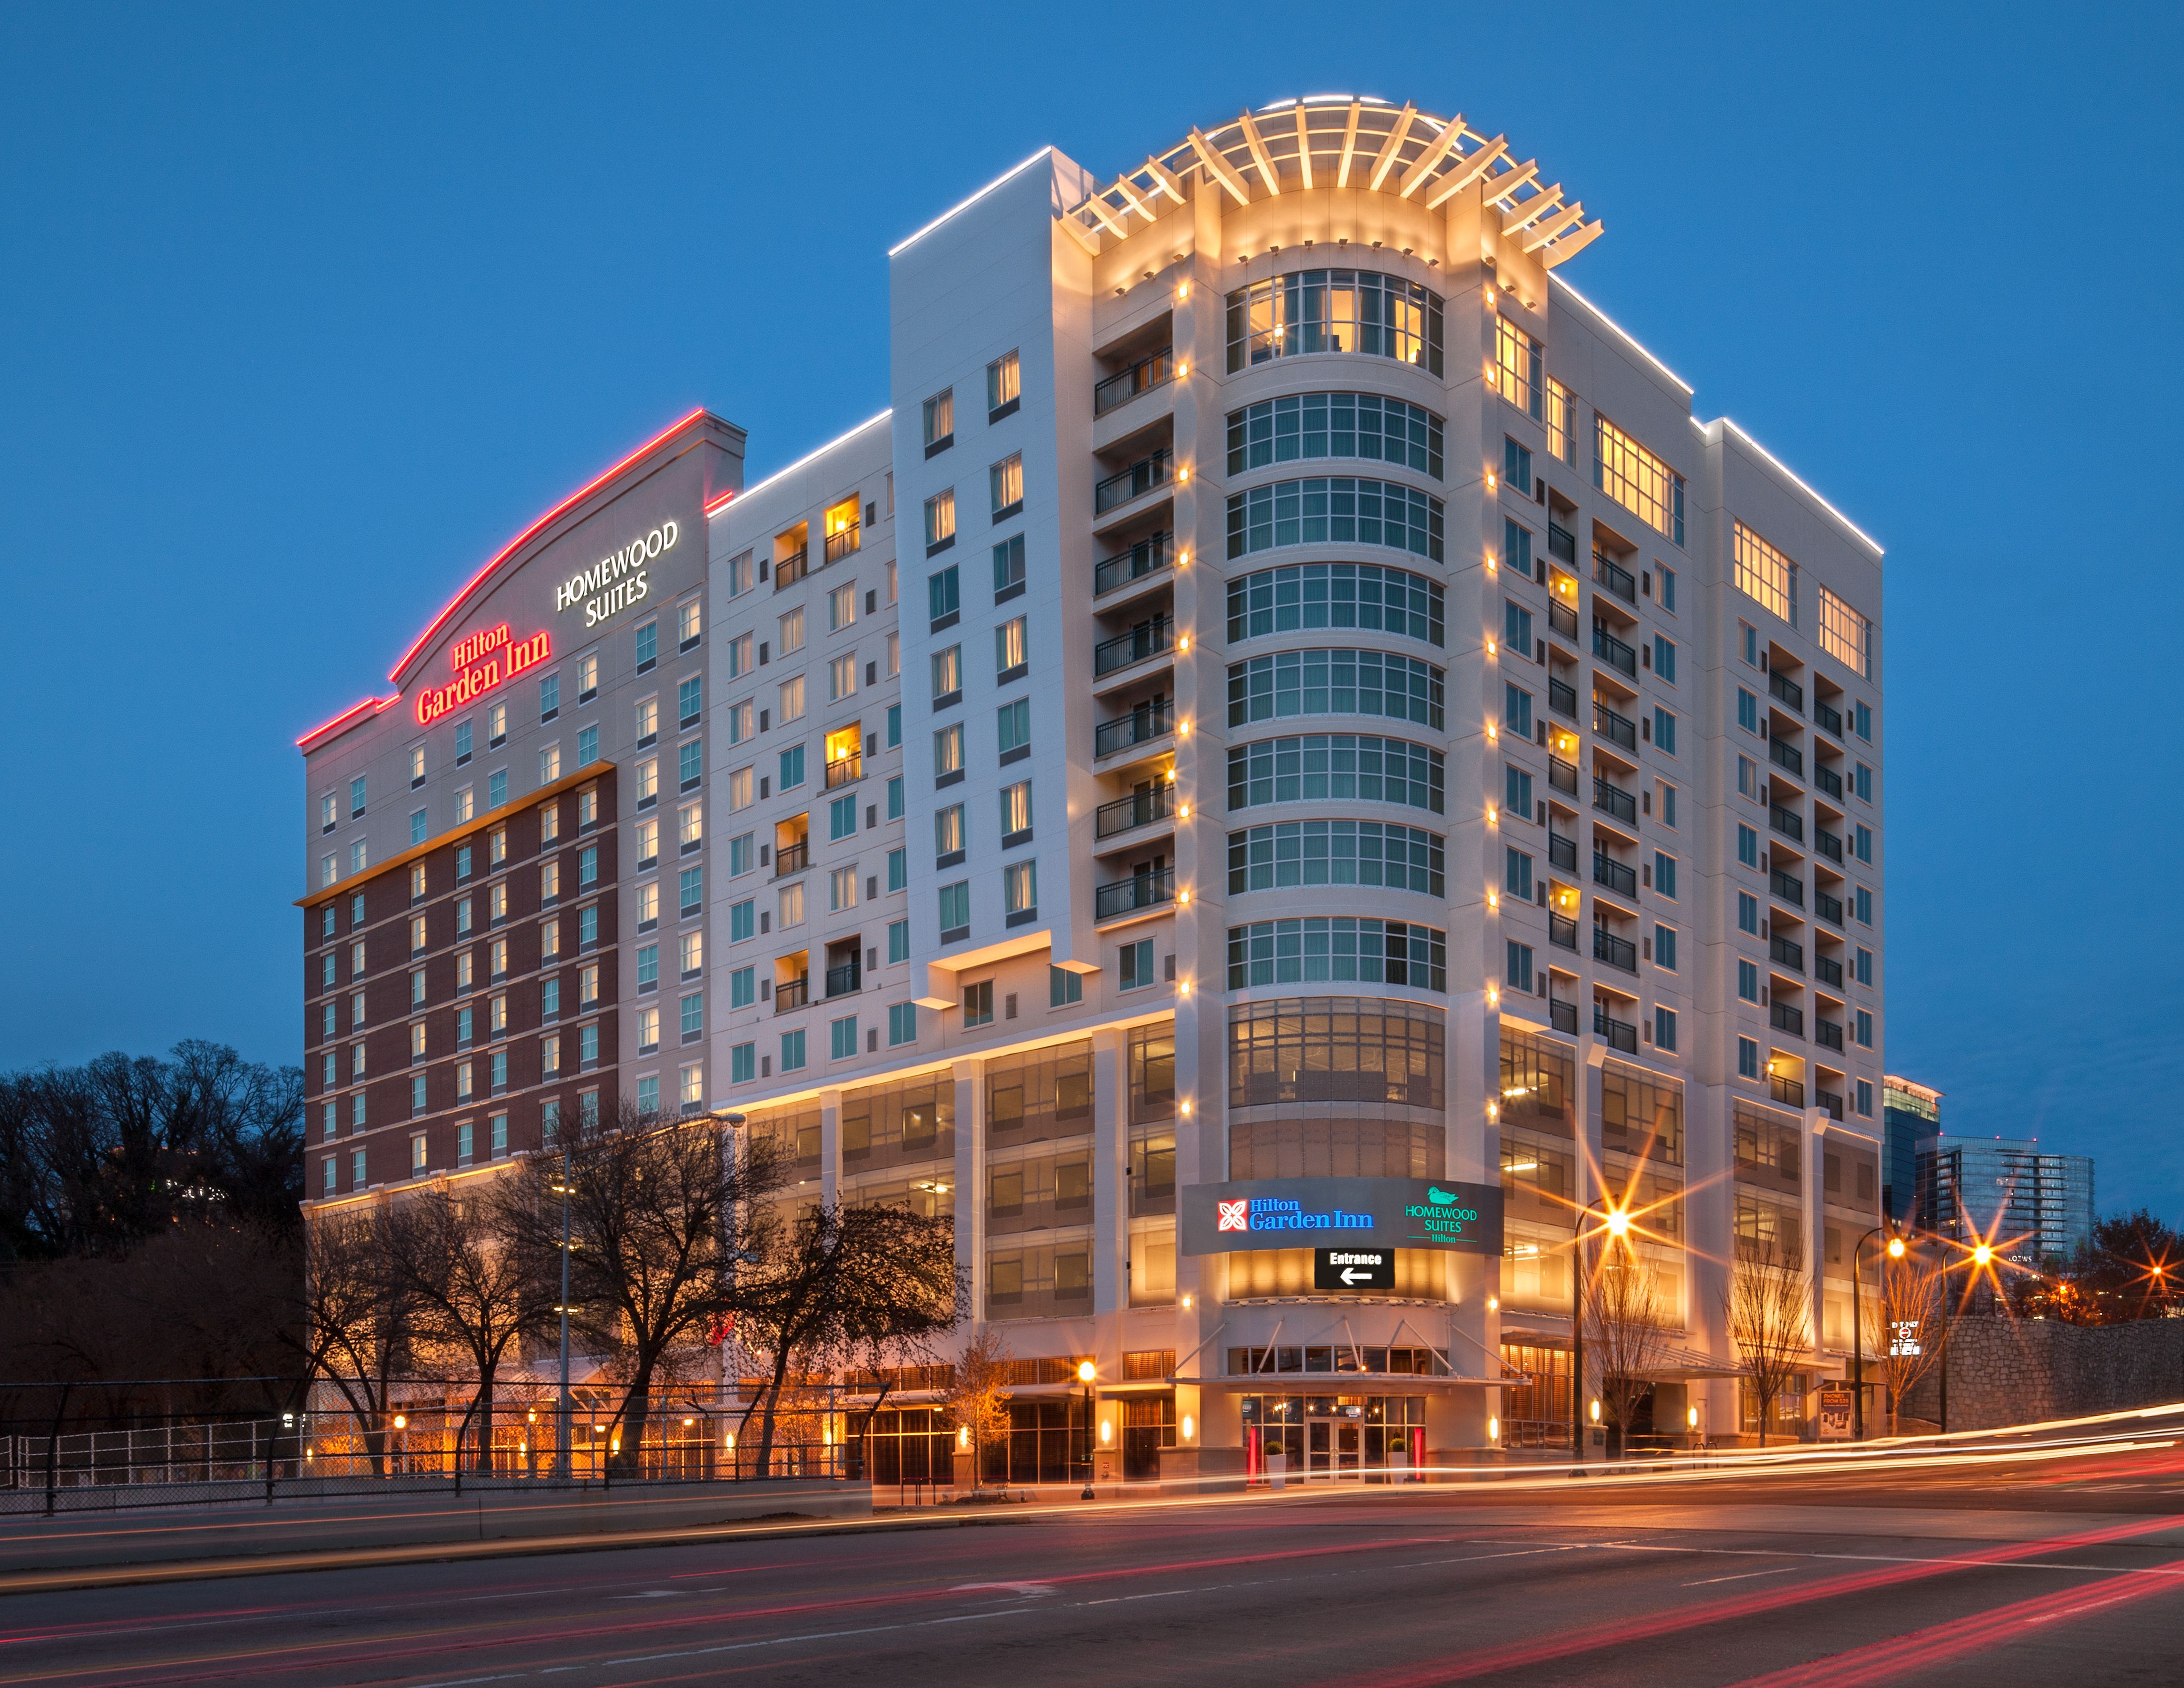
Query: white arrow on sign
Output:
(1350,1276)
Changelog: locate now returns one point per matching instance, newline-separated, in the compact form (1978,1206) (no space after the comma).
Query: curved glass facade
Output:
(1338,949)
(1288,853)
(1334,311)
(1335,766)
(1306,426)
(1311,597)
(1335,509)
(1292,683)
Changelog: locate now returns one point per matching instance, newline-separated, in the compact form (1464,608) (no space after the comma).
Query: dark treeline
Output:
(149,1228)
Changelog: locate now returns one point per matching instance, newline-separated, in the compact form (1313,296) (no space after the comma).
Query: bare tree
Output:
(844,1283)
(661,1213)
(453,1257)
(1909,1311)
(357,1318)
(1626,1332)
(977,1399)
(1769,1308)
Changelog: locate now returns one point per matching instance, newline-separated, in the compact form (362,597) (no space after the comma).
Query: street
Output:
(2000,1564)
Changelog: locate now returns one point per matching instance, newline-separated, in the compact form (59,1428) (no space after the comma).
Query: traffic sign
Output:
(1353,1268)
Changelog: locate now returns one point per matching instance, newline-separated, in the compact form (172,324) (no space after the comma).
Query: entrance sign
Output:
(1903,1339)
(1353,1268)
(1387,1213)
(1835,1414)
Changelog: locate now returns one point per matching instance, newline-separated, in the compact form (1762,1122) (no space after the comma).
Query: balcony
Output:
(842,543)
(1617,952)
(1561,852)
(1146,639)
(1562,620)
(1784,754)
(1785,1018)
(1614,799)
(1561,698)
(1789,953)
(1786,822)
(1563,1017)
(845,770)
(1139,809)
(1608,872)
(1561,933)
(1831,719)
(1832,1102)
(1789,889)
(1830,846)
(1142,724)
(790,569)
(1140,891)
(844,980)
(1133,483)
(1148,556)
(792,859)
(1562,543)
(1788,691)
(1790,1092)
(792,994)
(1613,651)
(1827,779)
(1561,775)
(1828,971)
(1142,377)
(1828,1033)
(1621,1034)
(1615,577)
(1615,728)
(1829,908)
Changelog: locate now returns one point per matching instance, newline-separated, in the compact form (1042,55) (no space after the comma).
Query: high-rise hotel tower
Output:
(1284,775)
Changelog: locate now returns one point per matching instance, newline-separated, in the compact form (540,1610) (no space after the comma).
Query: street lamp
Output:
(1086,1370)
(1857,1337)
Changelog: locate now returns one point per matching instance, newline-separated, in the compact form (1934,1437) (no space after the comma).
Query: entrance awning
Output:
(1333,1383)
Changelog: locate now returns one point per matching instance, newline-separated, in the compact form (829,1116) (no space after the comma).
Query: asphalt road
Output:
(2001,1566)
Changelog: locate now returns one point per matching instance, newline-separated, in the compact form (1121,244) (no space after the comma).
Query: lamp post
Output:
(1086,1370)
(1856,1327)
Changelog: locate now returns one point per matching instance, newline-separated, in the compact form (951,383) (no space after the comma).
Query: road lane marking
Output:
(1741,1575)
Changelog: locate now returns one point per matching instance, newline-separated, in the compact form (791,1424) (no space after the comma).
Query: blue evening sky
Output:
(304,311)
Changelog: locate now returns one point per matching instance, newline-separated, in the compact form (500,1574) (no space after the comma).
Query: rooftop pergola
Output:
(1336,141)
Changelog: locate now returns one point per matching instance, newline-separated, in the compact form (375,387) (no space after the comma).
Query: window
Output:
(1861,783)
(587,746)
(1862,967)
(947,676)
(742,1063)
(693,1017)
(1008,567)
(647,647)
(648,1030)
(648,1094)
(842,889)
(898,941)
(1747,778)
(496,726)
(689,623)
(1517,629)
(1864,1102)
(648,844)
(1007,479)
(1516,711)
(1518,793)
(1862,721)
(1516,464)
(842,1038)
(549,697)
(1020,888)
(743,919)
(1016,813)
(789,905)
(1747,914)
(1338,949)
(1135,965)
(417,826)
(1747,981)
(1338,766)
(978,1004)
(1747,710)
(1063,987)
(1664,660)
(1636,479)
(895,798)
(954,910)
(841,676)
(944,596)
(1767,577)
(690,699)
(1748,1058)
(1562,421)
(1517,875)
(842,817)
(1664,1028)
(1012,723)
(1337,510)
(1666,807)
(1665,584)
(792,631)
(1519,368)
(940,521)
(1664,730)
(587,678)
(466,807)
(948,750)
(841,607)
(940,421)
(948,830)
(898,869)
(1664,948)
(902,1024)
(356,790)
(1862,905)
(1334,311)
(1665,874)
(549,765)
(693,890)
(1011,650)
(1847,636)
(1747,845)
(742,987)
(1517,971)
(1863,847)
(1297,683)
(549,991)
(791,771)
(357,856)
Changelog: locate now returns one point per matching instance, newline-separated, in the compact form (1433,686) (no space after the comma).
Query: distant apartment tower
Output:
(1911,1118)
(2031,1206)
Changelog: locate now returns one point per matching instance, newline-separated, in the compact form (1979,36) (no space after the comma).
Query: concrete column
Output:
(971,1179)
(830,1145)
(1110,1205)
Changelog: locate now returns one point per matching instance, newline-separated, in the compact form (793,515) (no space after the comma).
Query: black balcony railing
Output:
(1148,556)
(1830,845)
(1134,482)
(1561,775)
(790,569)
(1828,1033)
(1787,821)
(1617,952)
(1832,1102)
(843,980)
(1788,690)
(1828,971)
(1790,1092)
(1784,754)
(1827,779)
(1621,1034)
(792,994)
(1563,1017)
(1614,799)
(1829,718)
(1562,932)
(845,770)
(1615,577)
(1140,726)
(842,543)
(1562,543)
(1146,639)
(1562,852)
(1613,651)
(1142,377)
(1608,872)
(1789,889)
(1139,809)
(1616,728)
(1138,891)
(1561,698)
(1828,908)
(1562,620)
(792,859)
(1790,954)
(1785,1018)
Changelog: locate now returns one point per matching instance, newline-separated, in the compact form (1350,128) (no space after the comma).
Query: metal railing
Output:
(1562,697)
(1827,779)
(1561,775)
(1563,1017)
(1148,556)
(1615,577)
(1138,891)
(1616,728)
(1790,1092)
(1829,718)
(1139,809)
(792,859)
(1147,639)
(790,569)
(1142,377)
(1788,690)
(1791,890)
(1828,971)
(1787,821)
(844,979)
(1617,952)
(1785,1018)
(1830,845)
(1832,1102)
(1784,754)
(1132,482)
(1142,724)
(1562,932)
(1561,852)
(842,543)
(1608,872)
(845,770)
(795,993)
(1790,955)
(1562,543)
(1621,1034)
(1614,799)
(1828,1033)
(1562,620)
(1613,651)
(1830,909)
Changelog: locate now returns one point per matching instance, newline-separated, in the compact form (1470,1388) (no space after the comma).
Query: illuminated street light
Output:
(1619,1223)
(1086,1370)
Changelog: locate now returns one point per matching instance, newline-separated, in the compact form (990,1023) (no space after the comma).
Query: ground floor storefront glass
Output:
(1536,1412)
(910,1445)
(1373,1437)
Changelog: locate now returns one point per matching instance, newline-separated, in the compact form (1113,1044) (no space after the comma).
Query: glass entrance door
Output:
(1333,1448)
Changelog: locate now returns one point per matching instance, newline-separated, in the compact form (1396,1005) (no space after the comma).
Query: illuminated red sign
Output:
(480,662)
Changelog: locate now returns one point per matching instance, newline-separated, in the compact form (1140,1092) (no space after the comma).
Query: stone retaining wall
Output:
(2005,1370)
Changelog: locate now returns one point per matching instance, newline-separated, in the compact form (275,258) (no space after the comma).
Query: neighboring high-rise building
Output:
(1333,543)
(2032,1207)
(1911,1118)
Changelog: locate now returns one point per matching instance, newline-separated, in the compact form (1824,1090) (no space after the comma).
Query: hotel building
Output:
(1271,517)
